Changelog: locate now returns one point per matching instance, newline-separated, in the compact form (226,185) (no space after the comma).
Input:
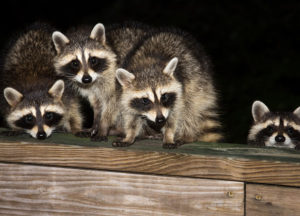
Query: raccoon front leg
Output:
(74,119)
(103,122)
(76,124)
(84,133)
(99,129)
(132,128)
(169,134)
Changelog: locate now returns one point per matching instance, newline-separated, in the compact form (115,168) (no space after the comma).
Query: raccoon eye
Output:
(49,116)
(98,64)
(52,118)
(164,97)
(75,64)
(168,99)
(29,118)
(27,121)
(146,101)
(141,104)
(270,129)
(290,131)
(93,61)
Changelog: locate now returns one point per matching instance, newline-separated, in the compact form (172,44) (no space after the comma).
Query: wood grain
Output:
(272,200)
(40,190)
(198,148)
(153,162)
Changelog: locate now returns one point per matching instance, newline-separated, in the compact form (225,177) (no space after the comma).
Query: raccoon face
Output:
(280,130)
(37,118)
(83,61)
(152,103)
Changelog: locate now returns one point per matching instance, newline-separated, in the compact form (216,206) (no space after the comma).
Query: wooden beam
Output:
(264,200)
(40,190)
(204,149)
(169,163)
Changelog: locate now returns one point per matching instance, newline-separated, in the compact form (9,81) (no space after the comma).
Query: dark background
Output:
(254,46)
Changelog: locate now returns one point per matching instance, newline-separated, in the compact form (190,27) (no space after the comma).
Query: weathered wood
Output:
(209,149)
(40,190)
(153,162)
(272,200)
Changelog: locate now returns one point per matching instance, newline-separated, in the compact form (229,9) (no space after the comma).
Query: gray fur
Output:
(268,125)
(28,68)
(150,51)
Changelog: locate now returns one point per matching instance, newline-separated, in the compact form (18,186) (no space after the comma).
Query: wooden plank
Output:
(153,162)
(40,190)
(272,200)
(209,149)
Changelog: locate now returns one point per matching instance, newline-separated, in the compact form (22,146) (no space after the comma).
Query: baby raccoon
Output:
(88,64)
(274,129)
(33,100)
(167,86)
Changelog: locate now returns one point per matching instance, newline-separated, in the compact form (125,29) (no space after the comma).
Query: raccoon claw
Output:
(99,138)
(11,133)
(121,144)
(172,145)
(93,132)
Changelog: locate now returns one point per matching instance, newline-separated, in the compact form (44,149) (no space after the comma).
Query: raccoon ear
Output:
(171,66)
(60,41)
(12,96)
(259,109)
(57,89)
(98,33)
(124,77)
(297,112)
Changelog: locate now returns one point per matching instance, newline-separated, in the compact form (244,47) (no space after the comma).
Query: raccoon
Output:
(167,86)
(34,100)
(88,65)
(274,129)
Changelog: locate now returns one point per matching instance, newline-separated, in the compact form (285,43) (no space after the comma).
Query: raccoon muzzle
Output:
(86,79)
(159,123)
(279,139)
(41,135)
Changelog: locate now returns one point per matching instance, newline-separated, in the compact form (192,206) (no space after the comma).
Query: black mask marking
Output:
(292,133)
(98,64)
(52,118)
(27,122)
(72,67)
(168,99)
(141,104)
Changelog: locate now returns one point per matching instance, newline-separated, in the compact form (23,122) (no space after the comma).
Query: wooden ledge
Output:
(201,160)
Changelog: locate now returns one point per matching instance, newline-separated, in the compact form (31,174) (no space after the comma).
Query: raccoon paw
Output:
(99,138)
(172,145)
(93,132)
(121,144)
(83,134)
(11,133)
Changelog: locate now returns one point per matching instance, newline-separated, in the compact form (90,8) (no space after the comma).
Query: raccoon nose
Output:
(160,119)
(86,79)
(279,138)
(41,135)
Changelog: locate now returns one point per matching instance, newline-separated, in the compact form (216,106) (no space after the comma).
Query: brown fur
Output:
(28,68)
(101,91)
(194,116)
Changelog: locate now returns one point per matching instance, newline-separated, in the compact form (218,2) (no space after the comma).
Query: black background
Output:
(254,45)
